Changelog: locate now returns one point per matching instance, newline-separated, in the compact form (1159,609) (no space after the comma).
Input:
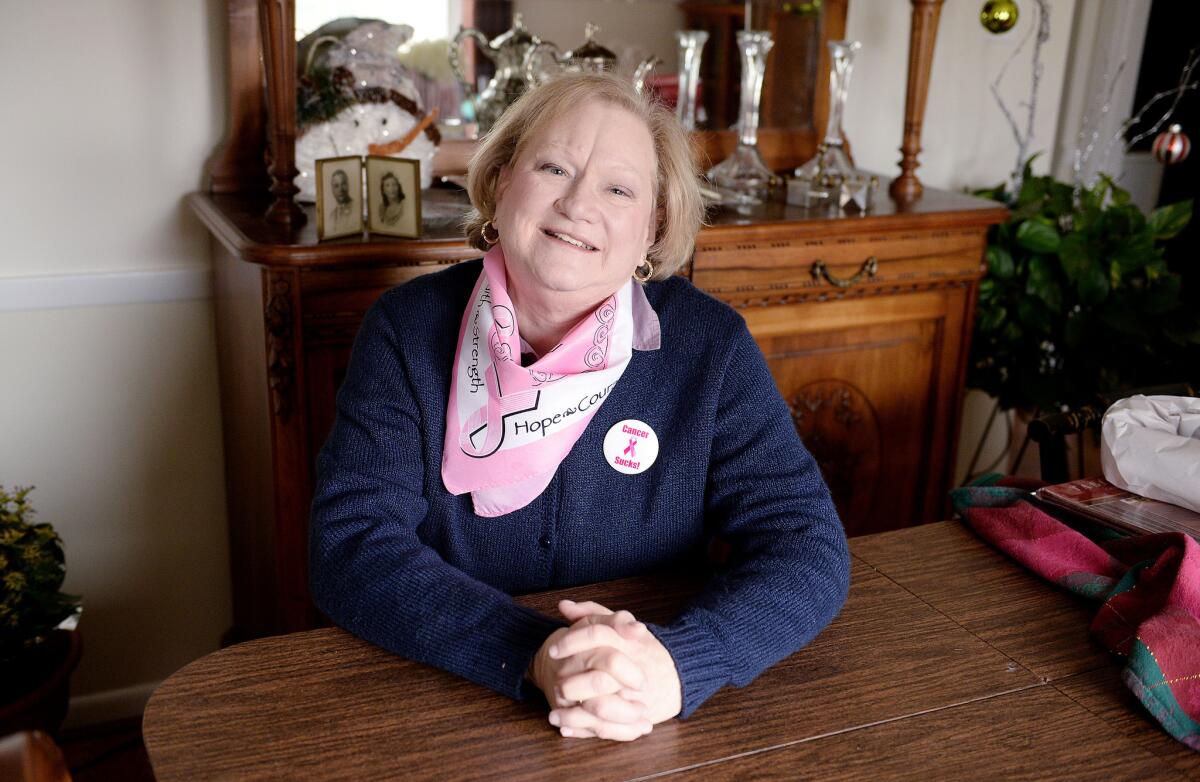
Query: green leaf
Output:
(992,319)
(1092,285)
(1033,191)
(1000,262)
(1167,221)
(1119,195)
(1123,221)
(1043,282)
(1027,169)
(1134,253)
(992,193)
(1073,253)
(1061,199)
(1038,236)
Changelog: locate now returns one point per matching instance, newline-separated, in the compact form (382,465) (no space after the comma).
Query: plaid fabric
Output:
(1149,586)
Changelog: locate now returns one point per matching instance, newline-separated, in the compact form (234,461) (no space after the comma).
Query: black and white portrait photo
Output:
(339,197)
(394,196)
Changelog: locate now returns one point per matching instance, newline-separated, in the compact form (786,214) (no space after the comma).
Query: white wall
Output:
(966,140)
(109,400)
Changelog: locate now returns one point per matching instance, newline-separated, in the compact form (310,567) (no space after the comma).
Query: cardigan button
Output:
(545,541)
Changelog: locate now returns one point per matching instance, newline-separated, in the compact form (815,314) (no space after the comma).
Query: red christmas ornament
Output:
(1171,146)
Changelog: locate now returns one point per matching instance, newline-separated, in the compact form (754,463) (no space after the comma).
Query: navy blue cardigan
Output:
(399,561)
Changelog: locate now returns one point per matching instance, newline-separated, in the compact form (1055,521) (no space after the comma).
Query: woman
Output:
(391,199)
(566,412)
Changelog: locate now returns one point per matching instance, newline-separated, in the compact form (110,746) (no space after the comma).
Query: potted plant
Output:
(39,646)
(1079,299)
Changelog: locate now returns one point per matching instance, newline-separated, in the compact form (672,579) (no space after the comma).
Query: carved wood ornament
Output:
(906,188)
(281,363)
(840,428)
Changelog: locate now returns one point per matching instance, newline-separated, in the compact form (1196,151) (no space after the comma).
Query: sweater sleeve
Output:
(369,571)
(788,572)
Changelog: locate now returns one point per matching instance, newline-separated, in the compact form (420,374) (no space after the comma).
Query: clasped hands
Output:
(606,675)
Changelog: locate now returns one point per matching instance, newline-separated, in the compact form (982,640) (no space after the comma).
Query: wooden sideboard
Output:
(873,372)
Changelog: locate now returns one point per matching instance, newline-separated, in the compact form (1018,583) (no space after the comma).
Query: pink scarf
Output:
(508,427)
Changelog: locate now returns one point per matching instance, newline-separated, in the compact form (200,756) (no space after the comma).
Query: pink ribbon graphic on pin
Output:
(629,448)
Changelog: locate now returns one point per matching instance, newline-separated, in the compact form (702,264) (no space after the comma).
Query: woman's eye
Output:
(621,192)
(553,169)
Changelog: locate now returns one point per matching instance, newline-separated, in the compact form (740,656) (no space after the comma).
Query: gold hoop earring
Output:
(489,233)
(644,272)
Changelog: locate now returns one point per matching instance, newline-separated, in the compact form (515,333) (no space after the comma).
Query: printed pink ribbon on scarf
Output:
(508,427)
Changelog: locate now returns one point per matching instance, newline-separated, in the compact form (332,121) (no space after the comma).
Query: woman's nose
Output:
(578,202)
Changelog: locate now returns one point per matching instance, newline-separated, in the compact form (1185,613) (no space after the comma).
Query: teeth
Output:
(569,240)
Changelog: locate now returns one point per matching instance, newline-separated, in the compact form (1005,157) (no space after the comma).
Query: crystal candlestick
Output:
(744,172)
(691,44)
(831,161)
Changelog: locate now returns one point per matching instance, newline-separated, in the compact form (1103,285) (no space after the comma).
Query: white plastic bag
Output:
(1151,446)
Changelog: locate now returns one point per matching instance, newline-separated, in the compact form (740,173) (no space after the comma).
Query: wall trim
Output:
(98,708)
(57,291)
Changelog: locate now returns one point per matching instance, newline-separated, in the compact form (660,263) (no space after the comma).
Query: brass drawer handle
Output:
(869,268)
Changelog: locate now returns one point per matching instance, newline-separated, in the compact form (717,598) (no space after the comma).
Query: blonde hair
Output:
(678,206)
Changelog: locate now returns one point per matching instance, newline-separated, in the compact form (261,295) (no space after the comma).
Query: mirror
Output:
(264,70)
(632,29)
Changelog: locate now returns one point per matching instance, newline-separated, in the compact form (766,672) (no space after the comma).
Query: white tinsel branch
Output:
(1024,139)
(1090,127)
(1083,152)
(1177,92)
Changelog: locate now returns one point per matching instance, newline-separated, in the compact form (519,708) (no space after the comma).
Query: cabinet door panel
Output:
(860,398)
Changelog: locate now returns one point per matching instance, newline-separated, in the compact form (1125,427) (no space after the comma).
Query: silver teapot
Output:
(508,51)
(588,57)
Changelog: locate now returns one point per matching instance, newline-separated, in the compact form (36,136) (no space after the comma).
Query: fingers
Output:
(594,613)
(602,672)
(614,708)
(588,684)
(590,612)
(575,611)
(583,637)
(578,722)
(616,664)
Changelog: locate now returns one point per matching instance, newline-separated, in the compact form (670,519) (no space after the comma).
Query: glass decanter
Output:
(691,45)
(744,172)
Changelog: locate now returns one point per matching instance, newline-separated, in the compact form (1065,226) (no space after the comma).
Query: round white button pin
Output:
(630,446)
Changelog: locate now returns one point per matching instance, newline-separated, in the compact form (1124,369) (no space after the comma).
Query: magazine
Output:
(1099,500)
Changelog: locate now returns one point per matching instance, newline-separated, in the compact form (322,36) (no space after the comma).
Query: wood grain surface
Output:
(1035,734)
(1035,623)
(1104,694)
(893,689)
(325,705)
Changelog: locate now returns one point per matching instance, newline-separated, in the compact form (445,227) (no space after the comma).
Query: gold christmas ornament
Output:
(998,16)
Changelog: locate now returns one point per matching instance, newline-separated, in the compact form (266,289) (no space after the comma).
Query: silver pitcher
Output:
(588,57)
(508,51)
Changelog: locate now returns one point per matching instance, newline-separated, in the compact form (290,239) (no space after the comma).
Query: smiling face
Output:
(575,209)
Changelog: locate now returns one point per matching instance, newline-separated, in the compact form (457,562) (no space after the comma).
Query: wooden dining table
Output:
(948,661)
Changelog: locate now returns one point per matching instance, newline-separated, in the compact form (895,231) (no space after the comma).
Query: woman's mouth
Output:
(569,240)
